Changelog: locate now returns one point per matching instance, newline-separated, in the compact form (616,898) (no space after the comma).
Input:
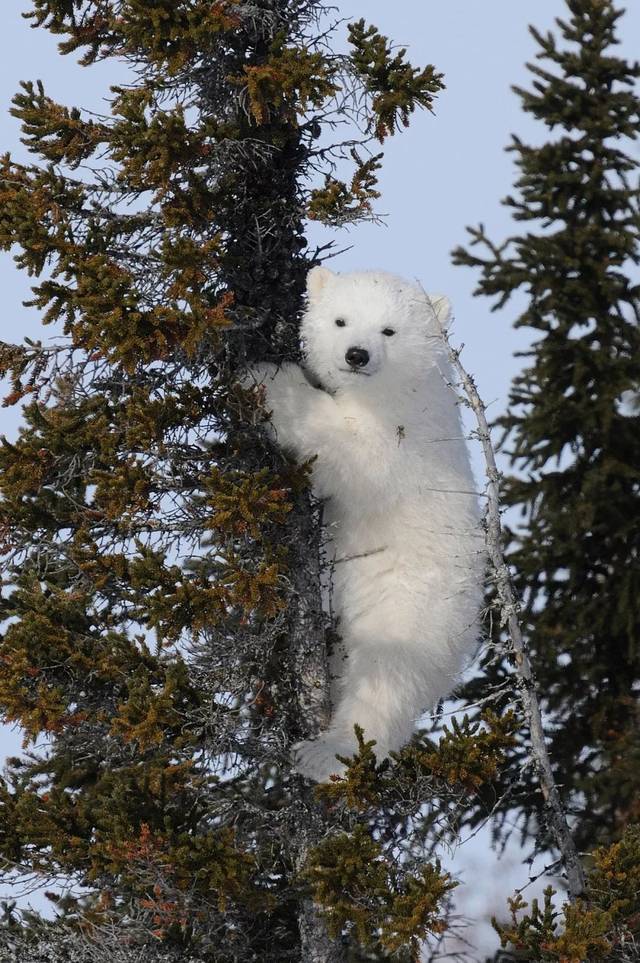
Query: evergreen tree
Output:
(162,624)
(575,499)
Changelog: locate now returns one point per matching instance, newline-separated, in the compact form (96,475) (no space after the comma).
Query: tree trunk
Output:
(310,664)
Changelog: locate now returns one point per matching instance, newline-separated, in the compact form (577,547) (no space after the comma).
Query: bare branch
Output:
(516,646)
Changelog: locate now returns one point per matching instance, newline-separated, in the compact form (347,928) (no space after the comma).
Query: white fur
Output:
(401,516)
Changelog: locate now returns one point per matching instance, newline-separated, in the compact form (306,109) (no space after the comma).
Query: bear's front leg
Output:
(302,417)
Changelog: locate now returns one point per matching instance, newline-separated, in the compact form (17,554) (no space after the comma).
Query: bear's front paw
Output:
(282,384)
(259,374)
(316,758)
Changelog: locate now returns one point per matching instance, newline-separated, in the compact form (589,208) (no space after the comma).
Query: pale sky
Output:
(445,172)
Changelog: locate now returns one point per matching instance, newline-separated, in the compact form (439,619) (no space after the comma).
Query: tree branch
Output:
(510,609)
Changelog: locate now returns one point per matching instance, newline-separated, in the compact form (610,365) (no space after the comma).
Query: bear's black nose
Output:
(357,357)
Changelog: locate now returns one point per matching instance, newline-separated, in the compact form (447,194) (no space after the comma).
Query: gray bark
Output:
(317,946)
(309,660)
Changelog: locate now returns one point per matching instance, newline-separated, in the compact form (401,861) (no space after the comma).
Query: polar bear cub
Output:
(401,516)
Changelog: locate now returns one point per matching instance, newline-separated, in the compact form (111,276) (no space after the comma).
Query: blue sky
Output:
(447,171)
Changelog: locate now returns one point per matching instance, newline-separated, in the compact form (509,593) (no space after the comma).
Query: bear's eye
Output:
(388,332)
(340,323)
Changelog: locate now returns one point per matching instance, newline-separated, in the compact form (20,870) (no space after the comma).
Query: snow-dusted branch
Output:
(509,610)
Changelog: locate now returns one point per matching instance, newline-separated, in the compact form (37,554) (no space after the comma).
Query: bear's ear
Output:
(317,279)
(442,309)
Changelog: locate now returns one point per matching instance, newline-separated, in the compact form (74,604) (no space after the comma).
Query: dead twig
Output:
(516,646)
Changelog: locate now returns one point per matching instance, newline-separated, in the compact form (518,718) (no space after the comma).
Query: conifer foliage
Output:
(162,640)
(575,546)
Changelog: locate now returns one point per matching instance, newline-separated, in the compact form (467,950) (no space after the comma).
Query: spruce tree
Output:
(162,622)
(574,540)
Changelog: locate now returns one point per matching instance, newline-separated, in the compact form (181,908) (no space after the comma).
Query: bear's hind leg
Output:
(382,690)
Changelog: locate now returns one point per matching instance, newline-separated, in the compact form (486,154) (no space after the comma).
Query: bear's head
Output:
(369,326)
